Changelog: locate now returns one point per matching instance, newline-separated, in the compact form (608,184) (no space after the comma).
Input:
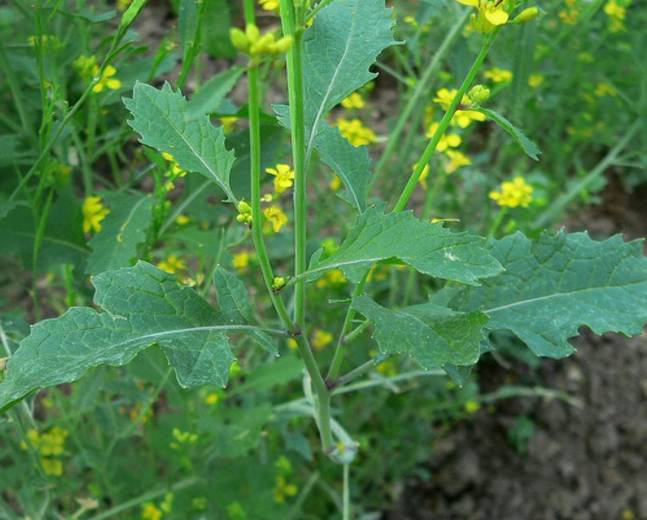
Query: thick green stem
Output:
(444,123)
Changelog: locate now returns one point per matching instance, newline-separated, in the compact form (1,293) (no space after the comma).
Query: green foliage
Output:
(558,283)
(161,118)
(434,250)
(526,144)
(123,231)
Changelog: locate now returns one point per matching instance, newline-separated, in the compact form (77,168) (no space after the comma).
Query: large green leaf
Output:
(122,231)
(212,93)
(339,47)
(554,285)
(429,248)
(143,306)
(235,308)
(434,336)
(162,120)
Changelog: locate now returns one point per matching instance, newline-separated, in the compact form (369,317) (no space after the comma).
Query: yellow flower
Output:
(605,89)
(212,399)
(52,467)
(498,75)
(106,80)
(293,344)
(333,278)
(535,80)
(355,100)
(616,13)
(490,14)
(321,339)
(387,368)
(445,96)
(228,123)
(355,132)
(472,406)
(446,141)
(172,264)
(462,118)
(283,489)
(276,217)
(93,213)
(456,160)
(513,193)
(283,177)
(182,220)
(151,512)
(571,13)
(269,5)
(240,262)
(335,183)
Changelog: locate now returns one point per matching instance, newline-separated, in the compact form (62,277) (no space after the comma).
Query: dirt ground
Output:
(587,463)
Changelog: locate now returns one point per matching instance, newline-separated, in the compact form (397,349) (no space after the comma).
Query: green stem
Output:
(444,123)
(346,515)
(422,87)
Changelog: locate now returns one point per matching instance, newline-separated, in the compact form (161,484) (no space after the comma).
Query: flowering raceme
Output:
(93,213)
(513,193)
(355,132)
(490,14)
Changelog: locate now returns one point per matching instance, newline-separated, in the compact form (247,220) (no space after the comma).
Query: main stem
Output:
(322,393)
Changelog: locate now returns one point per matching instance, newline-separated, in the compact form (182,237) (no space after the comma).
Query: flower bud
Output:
(252,33)
(526,15)
(283,45)
(238,39)
(479,94)
(278,283)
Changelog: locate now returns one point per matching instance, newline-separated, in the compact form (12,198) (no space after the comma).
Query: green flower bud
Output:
(526,15)
(238,39)
(278,283)
(479,94)
(283,45)
(252,33)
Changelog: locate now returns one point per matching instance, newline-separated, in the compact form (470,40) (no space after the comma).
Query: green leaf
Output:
(432,335)
(142,306)
(340,46)
(235,308)
(531,149)
(429,248)
(558,283)
(161,118)
(122,231)
(212,93)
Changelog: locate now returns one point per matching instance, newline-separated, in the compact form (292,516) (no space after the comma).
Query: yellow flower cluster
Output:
(106,79)
(283,177)
(494,13)
(93,213)
(332,278)
(535,80)
(269,5)
(173,172)
(251,42)
(240,261)
(462,118)
(282,488)
(511,194)
(498,75)
(446,141)
(355,132)
(151,512)
(616,10)
(50,446)
(172,264)
(354,101)
(321,339)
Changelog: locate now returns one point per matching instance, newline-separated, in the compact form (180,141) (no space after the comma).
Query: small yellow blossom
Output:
(276,217)
(446,141)
(445,96)
(456,160)
(490,14)
(172,264)
(53,467)
(472,406)
(329,246)
(513,193)
(605,89)
(240,262)
(355,132)
(321,339)
(616,12)
(93,213)
(151,512)
(269,5)
(283,177)
(182,220)
(228,123)
(387,368)
(335,183)
(49,445)
(498,75)
(212,399)
(423,176)
(293,344)
(106,80)
(571,13)
(462,118)
(332,278)
(355,100)
(535,80)
(283,489)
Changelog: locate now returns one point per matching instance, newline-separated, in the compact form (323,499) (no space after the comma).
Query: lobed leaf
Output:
(432,335)
(429,248)
(142,306)
(162,119)
(122,231)
(558,283)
